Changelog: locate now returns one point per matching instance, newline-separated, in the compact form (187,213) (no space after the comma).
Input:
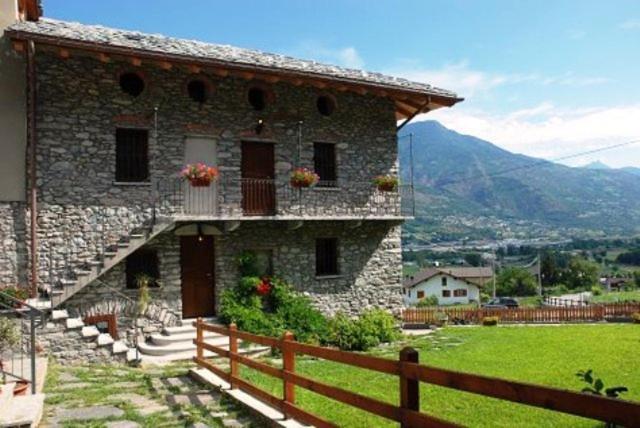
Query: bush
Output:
(15,292)
(360,334)
(596,290)
(515,281)
(636,317)
(427,301)
(490,321)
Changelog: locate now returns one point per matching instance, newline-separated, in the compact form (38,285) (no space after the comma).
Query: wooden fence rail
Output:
(547,314)
(409,373)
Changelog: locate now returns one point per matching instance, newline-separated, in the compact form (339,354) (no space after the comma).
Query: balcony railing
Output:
(247,197)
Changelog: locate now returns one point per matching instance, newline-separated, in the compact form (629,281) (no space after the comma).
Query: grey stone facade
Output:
(82,210)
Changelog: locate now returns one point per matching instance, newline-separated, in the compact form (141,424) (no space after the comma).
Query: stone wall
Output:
(13,243)
(81,105)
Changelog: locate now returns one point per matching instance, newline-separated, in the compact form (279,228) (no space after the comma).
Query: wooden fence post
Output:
(199,349)
(233,349)
(288,365)
(409,388)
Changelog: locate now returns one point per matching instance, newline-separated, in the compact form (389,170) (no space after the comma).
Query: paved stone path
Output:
(123,397)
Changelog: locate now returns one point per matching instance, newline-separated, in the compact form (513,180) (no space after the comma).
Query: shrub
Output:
(360,334)
(427,301)
(490,321)
(636,317)
(515,281)
(596,290)
(13,291)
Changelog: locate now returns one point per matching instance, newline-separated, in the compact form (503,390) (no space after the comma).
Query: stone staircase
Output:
(84,274)
(19,411)
(87,341)
(176,343)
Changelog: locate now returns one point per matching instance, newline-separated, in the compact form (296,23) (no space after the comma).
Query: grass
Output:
(545,355)
(617,296)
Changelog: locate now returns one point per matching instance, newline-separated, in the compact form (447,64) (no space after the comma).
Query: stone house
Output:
(451,285)
(98,123)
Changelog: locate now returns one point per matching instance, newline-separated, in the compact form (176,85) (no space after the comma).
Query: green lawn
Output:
(619,296)
(546,355)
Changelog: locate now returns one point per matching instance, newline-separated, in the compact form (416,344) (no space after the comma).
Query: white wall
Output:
(433,287)
(13,129)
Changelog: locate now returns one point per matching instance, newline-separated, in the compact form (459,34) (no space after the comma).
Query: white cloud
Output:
(550,132)
(346,56)
(631,24)
(469,82)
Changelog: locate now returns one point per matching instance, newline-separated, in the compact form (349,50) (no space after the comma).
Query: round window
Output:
(257,98)
(197,90)
(326,105)
(131,83)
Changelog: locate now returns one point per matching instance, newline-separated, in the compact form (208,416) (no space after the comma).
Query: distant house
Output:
(450,285)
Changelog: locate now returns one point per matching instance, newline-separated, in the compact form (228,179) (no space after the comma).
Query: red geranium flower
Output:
(264,286)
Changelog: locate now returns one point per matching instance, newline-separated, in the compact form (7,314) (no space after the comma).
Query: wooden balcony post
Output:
(233,350)
(409,388)
(288,365)
(199,349)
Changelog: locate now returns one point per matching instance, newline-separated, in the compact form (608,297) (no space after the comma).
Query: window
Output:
(143,261)
(197,90)
(446,293)
(105,323)
(257,98)
(132,160)
(326,105)
(444,281)
(324,163)
(409,293)
(131,83)
(460,292)
(326,256)
(420,294)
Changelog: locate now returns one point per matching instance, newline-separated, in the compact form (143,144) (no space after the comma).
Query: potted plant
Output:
(303,177)
(9,338)
(199,174)
(14,291)
(386,183)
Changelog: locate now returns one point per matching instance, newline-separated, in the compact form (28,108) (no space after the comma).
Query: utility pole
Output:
(493,271)
(539,275)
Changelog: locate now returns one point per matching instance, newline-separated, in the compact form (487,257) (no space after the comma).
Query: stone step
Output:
(59,315)
(188,355)
(119,347)
(24,411)
(164,340)
(90,331)
(187,326)
(104,339)
(72,323)
(173,347)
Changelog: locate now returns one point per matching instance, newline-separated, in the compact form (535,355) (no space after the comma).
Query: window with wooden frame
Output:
(446,293)
(142,262)
(327,257)
(420,294)
(444,281)
(460,292)
(132,155)
(324,163)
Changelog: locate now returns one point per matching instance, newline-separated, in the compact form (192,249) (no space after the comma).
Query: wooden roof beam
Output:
(404,109)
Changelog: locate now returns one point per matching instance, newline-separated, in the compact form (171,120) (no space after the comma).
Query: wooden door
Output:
(198,280)
(258,174)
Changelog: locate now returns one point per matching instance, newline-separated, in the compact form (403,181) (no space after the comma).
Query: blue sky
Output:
(544,78)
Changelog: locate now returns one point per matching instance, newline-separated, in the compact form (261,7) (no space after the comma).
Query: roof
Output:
(58,32)
(468,274)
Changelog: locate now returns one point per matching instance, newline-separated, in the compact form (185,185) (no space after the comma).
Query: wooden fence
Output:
(409,373)
(558,301)
(548,314)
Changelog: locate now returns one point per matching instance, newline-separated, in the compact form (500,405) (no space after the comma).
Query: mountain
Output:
(468,187)
(597,165)
(631,170)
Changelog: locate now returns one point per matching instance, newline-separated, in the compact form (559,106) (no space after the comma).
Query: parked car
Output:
(501,303)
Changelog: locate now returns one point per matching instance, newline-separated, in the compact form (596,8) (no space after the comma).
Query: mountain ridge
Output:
(464,177)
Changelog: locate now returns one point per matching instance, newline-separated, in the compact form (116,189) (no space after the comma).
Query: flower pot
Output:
(299,184)
(21,388)
(200,182)
(387,187)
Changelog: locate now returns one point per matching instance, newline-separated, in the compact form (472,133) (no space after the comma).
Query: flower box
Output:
(303,177)
(199,174)
(386,183)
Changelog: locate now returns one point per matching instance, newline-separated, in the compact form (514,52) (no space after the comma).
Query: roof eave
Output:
(437,100)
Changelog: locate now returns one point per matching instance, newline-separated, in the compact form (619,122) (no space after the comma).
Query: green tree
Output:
(581,274)
(515,281)
(636,278)
(474,259)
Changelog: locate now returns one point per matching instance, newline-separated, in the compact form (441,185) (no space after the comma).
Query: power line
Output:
(539,163)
